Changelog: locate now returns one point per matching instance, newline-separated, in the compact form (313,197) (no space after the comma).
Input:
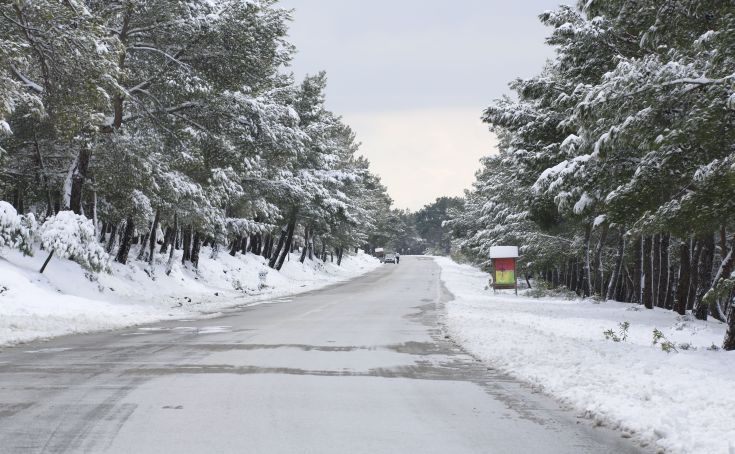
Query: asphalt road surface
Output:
(361,367)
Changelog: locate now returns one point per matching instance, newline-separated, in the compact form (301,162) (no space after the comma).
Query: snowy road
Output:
(360,367)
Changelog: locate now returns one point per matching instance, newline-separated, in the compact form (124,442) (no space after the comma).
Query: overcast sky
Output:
(413,76)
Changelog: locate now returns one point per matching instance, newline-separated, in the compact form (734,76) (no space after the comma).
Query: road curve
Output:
(360,367)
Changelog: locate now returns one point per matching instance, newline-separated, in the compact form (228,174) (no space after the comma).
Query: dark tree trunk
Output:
(186,244)
(587,271)
(306,241)
(630,286)
(45,263)
(152,240)
(729,342)
(324,251)
(79,175)
(340,251)
(258,248)
(173,240)
(103,232)
(310,248)
(124,250)
(655,268)
(647,273)
(143,243)
(287,246)
(167,240)
(265,250)
(682,291)
(663,275)
(704,280)
(113,236)
(614,277)
(671,284)
(599,271)
(574,275)
(281,242)
(694,274)
(235,245)
(637,269)
(196,247)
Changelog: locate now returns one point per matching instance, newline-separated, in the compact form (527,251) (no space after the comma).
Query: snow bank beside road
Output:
(64,300)
(681,402)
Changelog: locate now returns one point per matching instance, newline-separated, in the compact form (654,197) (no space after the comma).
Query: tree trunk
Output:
(235,245)
(671,284)
(306,241)
(655,268)
(637,270)
(617,267)
(143,243)
(682,291)
(174,231)
(122,253)
(281,241)
(663,275)
(340,251)
(599,272)
(166,240)
(154,233)
(113,237)
(103,232)
(196,246)
(186,244)
(704,280)
(729,342)
(258,244)
(79,175)
(245,244)
(694,274)
(324,251)
(48,259)
(647,273)
(289,240)
(265,252)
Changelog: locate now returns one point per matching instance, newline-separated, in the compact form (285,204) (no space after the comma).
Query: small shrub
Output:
(72,236)
(16,231)
(666,344)
(621,335)
(542,289)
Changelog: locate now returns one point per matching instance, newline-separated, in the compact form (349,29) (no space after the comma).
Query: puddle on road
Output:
(180,329)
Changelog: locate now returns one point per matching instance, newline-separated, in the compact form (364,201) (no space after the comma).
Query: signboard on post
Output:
(503,260)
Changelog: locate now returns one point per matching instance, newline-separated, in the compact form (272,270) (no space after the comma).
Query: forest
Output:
(134,128)
(616,170)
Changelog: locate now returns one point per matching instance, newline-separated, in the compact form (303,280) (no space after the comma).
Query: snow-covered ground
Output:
(66,299)
(678,402)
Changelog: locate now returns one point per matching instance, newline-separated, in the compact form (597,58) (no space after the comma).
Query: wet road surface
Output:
(361,367)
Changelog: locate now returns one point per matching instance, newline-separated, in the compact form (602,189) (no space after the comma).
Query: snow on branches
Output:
(69,235)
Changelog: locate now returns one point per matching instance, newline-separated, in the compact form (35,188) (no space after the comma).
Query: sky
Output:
(412,78)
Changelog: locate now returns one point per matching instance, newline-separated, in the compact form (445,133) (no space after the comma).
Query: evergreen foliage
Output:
(134,123)
(616,168)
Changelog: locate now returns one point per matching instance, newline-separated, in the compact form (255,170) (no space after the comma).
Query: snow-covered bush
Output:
(16,231)
(69,235)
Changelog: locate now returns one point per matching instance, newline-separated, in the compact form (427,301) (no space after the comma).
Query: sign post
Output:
(503,260)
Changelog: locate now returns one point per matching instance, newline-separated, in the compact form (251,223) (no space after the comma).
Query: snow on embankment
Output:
(68,299)
(681,402)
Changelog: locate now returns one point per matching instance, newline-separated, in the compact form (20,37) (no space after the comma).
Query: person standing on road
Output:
(398,258)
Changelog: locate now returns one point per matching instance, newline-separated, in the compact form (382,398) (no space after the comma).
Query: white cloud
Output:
(423,154)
